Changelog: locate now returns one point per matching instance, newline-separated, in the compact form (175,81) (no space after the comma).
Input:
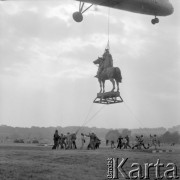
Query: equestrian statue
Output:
(106,71)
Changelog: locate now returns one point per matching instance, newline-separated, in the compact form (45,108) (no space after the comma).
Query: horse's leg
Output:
(103,85)
(100,85)
(113,83)
(117,83)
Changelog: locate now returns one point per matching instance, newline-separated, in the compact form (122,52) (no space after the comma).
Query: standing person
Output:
(56,139)
(112,144)
(73,140)
(124,142)
(137,145)
(68,141)
(82,140)
(97,142)
(141,142)
(92,140)
(107,142)
(119,142)
(154,141)
(127,142)
(62,141)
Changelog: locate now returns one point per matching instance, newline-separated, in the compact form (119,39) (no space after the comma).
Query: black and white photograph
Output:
(89,89)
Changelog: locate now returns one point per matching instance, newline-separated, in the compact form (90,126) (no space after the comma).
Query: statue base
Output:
(108,98)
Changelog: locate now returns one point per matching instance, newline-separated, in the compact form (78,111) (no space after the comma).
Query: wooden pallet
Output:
(108,98)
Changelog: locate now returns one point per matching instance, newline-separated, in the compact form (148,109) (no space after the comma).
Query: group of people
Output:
(123,142)
(68,141)
(62,141)
(154,141)
(140,143)
(94,142)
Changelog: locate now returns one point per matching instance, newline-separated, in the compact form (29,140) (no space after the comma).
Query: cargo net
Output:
(108,98)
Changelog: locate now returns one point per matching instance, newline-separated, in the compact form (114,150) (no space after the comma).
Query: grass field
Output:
(35,162)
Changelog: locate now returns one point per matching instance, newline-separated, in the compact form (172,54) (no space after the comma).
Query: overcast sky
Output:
(47,74)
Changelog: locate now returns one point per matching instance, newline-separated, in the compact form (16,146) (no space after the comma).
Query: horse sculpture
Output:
(108,73)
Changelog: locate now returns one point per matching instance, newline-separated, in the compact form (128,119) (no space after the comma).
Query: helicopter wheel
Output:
(155,20)
(77,16)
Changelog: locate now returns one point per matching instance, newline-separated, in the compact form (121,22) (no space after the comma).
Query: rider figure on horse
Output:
(108,62)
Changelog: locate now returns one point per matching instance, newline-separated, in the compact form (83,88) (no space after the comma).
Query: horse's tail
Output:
(118,75)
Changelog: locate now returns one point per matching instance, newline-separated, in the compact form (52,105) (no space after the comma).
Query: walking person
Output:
(56,140)
(82,140)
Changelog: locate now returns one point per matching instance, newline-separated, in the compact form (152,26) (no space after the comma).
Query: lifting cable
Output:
(85,118)
(86,121)
(95,114)
(135,117)
(108,46)
(131,112)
